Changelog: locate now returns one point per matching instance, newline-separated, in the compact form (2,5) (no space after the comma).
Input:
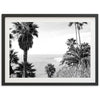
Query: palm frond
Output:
(84,23)
(70,24)
(35,33)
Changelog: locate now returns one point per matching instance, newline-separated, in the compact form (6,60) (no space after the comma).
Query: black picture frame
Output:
(49,15)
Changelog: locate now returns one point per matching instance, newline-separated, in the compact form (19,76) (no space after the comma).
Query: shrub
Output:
(50,69)
(29,70)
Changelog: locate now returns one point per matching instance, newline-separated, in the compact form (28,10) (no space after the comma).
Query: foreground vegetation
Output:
(76,61)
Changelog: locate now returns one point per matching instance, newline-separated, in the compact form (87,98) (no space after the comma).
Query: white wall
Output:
(51,92)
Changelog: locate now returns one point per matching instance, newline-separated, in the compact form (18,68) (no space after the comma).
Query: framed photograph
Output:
(50,49)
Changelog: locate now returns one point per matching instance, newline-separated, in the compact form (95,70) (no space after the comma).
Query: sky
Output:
(52,38)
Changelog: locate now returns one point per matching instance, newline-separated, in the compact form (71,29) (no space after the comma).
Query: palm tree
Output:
(50,69)
(29,70)
(13,56)
(75,23)
(13,60)
(11,37)
(77,56)
(78,27)
(25,31)
(71,42)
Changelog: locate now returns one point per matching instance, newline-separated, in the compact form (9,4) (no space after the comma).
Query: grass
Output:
(73,72)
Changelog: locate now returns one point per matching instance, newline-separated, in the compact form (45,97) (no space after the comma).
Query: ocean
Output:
(40,61)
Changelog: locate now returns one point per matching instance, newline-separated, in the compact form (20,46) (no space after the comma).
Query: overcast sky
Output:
(52,38)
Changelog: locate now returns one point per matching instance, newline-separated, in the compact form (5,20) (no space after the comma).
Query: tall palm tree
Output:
(25,31)
(75,23)
(78,27)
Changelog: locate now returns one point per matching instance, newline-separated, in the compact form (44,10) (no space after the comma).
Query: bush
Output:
(50,69)
(29,70)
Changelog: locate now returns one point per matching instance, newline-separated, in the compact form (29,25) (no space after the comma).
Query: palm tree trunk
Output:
(79,37)
(76,33)
(25,61)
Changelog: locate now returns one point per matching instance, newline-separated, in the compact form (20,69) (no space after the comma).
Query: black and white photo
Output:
(49,49)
